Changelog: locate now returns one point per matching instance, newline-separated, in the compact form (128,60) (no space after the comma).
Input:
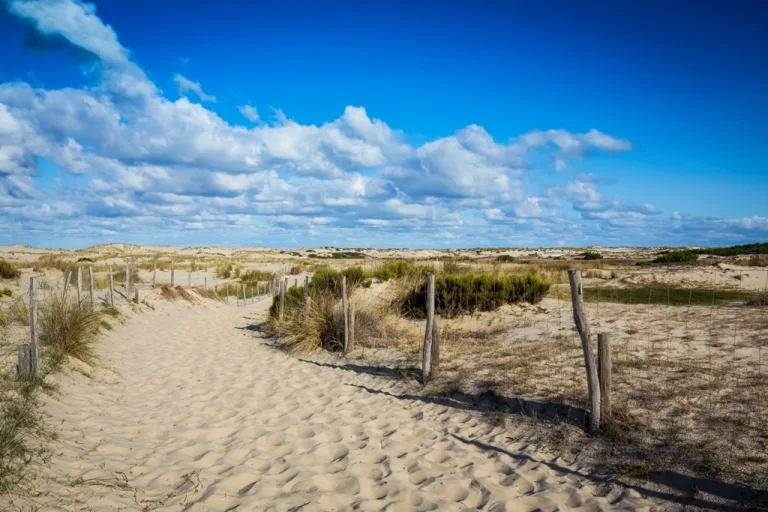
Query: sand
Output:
(192,409)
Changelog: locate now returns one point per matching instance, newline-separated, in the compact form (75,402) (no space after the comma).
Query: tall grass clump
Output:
(8,270)
(398,269)
(224,270)
(677,257)
(462,294)
(254,276)
(328,280)
(69,329)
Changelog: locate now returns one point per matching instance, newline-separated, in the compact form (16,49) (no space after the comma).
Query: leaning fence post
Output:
(345,311)
(306,293)
(282,299)
(189,276)
(582,325)
(90,279)
(136,295)
(34,353)
(111,290)
(79,286)
(604,370)
(154,273)
(426,357)
(435,362)
(171,272)
(66,283)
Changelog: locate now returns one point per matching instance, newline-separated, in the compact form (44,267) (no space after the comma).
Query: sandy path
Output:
(200,412)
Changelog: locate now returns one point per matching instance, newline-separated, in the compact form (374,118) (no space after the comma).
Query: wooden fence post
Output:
(24,365)
(79,287)
(154,273)
(306,293)
(345,311)
(426,356)
(435,362)
(66,283)
(582,325)
(171,272)
(227,293)
(90,279)
(282,299)
(136,295)
(34,353)
(127,281)
(111,290)
(205,282)
(351,325)
(133,272)
(189,276)
(604,367)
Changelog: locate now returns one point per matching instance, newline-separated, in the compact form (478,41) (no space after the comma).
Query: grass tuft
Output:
(68,328)
(8,270)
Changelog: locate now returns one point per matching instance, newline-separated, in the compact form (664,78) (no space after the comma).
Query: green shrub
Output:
(735,250)
(677,257)
(592,256)
(505,258)
(8,270)
(118,276)
(224,271)
(6,292)
(328,280)
(460,294)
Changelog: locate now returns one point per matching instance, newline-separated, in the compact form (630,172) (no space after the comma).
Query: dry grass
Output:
(8,270)
(172,294)
(208,293)
(14,312)
(70,328)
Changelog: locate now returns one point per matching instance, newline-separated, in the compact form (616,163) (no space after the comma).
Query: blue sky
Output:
(392,124)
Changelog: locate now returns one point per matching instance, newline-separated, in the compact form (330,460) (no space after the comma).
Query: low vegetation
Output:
(69,329)
(592,256)
(505,258)
(8,270)
(255,276)
(171,293)
(399,269)
(736,250)
(6,292)
(464,294)
(297,269)
(665,295)
(684,256)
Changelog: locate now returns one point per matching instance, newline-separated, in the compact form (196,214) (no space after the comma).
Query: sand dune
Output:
(193,410)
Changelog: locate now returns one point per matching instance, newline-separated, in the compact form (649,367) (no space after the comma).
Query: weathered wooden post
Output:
(136,295)
(351,325)
(345,311)
(205,282)
(306,293)
(582,325)
(127,282)
(282,299)
(189,276)
(111,290)
(133,272)
(244,301)
(90,279)
(171,272)
(24,365)
(435,362)
(227,293)
(34,353)
(604,370)
(154,273)
(66,283)
(79,287)
(426,356)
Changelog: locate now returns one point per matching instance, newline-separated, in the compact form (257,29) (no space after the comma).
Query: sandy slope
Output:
(199,411)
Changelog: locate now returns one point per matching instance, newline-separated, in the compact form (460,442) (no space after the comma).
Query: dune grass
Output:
(665,295)
(69,328)
(677,257)
(8,270)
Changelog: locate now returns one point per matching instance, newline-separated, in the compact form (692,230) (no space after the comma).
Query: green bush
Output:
(6,292)
(735,250)
(8,270)
(676,257)
(328,280)
(505,258)
(461,294)
(592,256)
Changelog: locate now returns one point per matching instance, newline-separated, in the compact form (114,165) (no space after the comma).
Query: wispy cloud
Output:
(186,86)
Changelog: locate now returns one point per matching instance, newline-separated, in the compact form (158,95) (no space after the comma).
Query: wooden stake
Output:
(90,279)
(426,357)
(34,353)
(345,312)
(351,326)
(171,272)
(24,365)
(435,363)
(154,273)
(282,298)
(604,367)
(205,282)
(79,286)
(582,325)
(136,295)
(306,293)
(66,283)
(189,276)
(111,290)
